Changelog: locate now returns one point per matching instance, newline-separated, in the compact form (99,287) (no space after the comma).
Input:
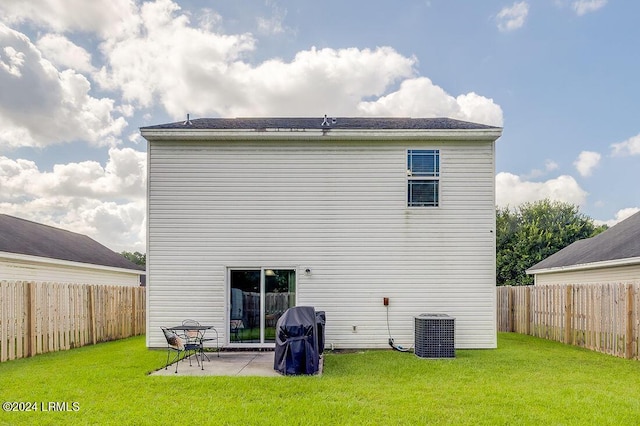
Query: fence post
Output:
(92,313)
(629,338)
(567,315)
(134,315)
(527,313)
(31,319)
(511,310)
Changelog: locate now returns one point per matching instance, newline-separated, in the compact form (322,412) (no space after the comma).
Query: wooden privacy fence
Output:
(600,317)
(46,317)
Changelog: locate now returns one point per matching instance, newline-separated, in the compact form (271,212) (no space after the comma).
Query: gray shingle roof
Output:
(621,241)
(356,123)
(21,236)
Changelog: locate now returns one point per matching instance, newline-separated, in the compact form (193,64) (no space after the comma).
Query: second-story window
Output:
(423,177)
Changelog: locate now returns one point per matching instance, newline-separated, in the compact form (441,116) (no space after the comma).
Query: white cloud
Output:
(208,19)
(629,147)
(316,81)
(619,217)
(40,105)
(512,17)
(512,190)
(474,107)
(274,24)
(14,61)
(586,162)
(136,138)
(64,53)
(549,166)
(124,176)
(126,110)
(582,7)
(419,97)
(107,203)
(103,17)
(171,60)
(118,226)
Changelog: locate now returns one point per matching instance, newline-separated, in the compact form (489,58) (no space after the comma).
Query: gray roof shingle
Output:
(355,123)
(22,236)
(621,241)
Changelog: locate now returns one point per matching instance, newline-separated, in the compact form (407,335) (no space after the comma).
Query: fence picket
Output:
(4,331)
(44,317)
(600,317)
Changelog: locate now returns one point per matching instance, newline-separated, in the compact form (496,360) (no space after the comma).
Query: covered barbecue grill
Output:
(297,350)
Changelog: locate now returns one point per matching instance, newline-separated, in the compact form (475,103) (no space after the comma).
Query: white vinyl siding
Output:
(44,270)
(617,274)
(338,208)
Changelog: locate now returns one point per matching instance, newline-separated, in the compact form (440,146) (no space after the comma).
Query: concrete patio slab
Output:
(228,364)
(242,363)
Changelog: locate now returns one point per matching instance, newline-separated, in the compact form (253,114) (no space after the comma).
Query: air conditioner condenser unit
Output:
(434,336)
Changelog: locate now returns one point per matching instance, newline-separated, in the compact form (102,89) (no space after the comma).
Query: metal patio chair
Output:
(175,343)
(197,336)
(193,342)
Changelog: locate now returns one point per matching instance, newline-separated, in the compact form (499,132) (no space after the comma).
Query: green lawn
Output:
(525,381)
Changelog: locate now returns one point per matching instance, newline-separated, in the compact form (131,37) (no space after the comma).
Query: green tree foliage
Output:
(532,232)
(136,257)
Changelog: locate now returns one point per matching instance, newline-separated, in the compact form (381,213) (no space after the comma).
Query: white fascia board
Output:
(326,134)
(585,266)
(68,263)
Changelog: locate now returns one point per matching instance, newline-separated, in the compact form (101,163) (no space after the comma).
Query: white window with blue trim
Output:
(423,178)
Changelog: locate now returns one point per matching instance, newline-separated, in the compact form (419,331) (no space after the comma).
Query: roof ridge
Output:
(326,122)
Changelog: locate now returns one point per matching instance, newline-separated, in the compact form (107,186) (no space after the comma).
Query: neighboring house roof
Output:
(320,123)
(24,237)
(618,245)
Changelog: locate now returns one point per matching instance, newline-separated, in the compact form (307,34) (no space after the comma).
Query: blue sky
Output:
(77,82)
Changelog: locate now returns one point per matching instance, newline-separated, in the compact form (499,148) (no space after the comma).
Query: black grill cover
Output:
(296,350)
(321,320)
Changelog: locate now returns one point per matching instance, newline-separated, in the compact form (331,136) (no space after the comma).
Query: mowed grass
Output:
(525,381)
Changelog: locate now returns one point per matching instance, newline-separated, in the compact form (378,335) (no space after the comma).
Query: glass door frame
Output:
(263,270)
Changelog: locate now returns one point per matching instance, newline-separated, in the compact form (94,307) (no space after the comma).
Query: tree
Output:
(136,257)
(533,231)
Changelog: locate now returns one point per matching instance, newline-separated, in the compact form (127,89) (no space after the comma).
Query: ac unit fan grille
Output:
(435,336)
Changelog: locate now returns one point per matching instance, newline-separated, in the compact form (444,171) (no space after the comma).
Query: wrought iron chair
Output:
(193,341)
(175,343)
(196,336)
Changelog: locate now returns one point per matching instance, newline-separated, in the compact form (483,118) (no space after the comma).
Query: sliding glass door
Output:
(257,299)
